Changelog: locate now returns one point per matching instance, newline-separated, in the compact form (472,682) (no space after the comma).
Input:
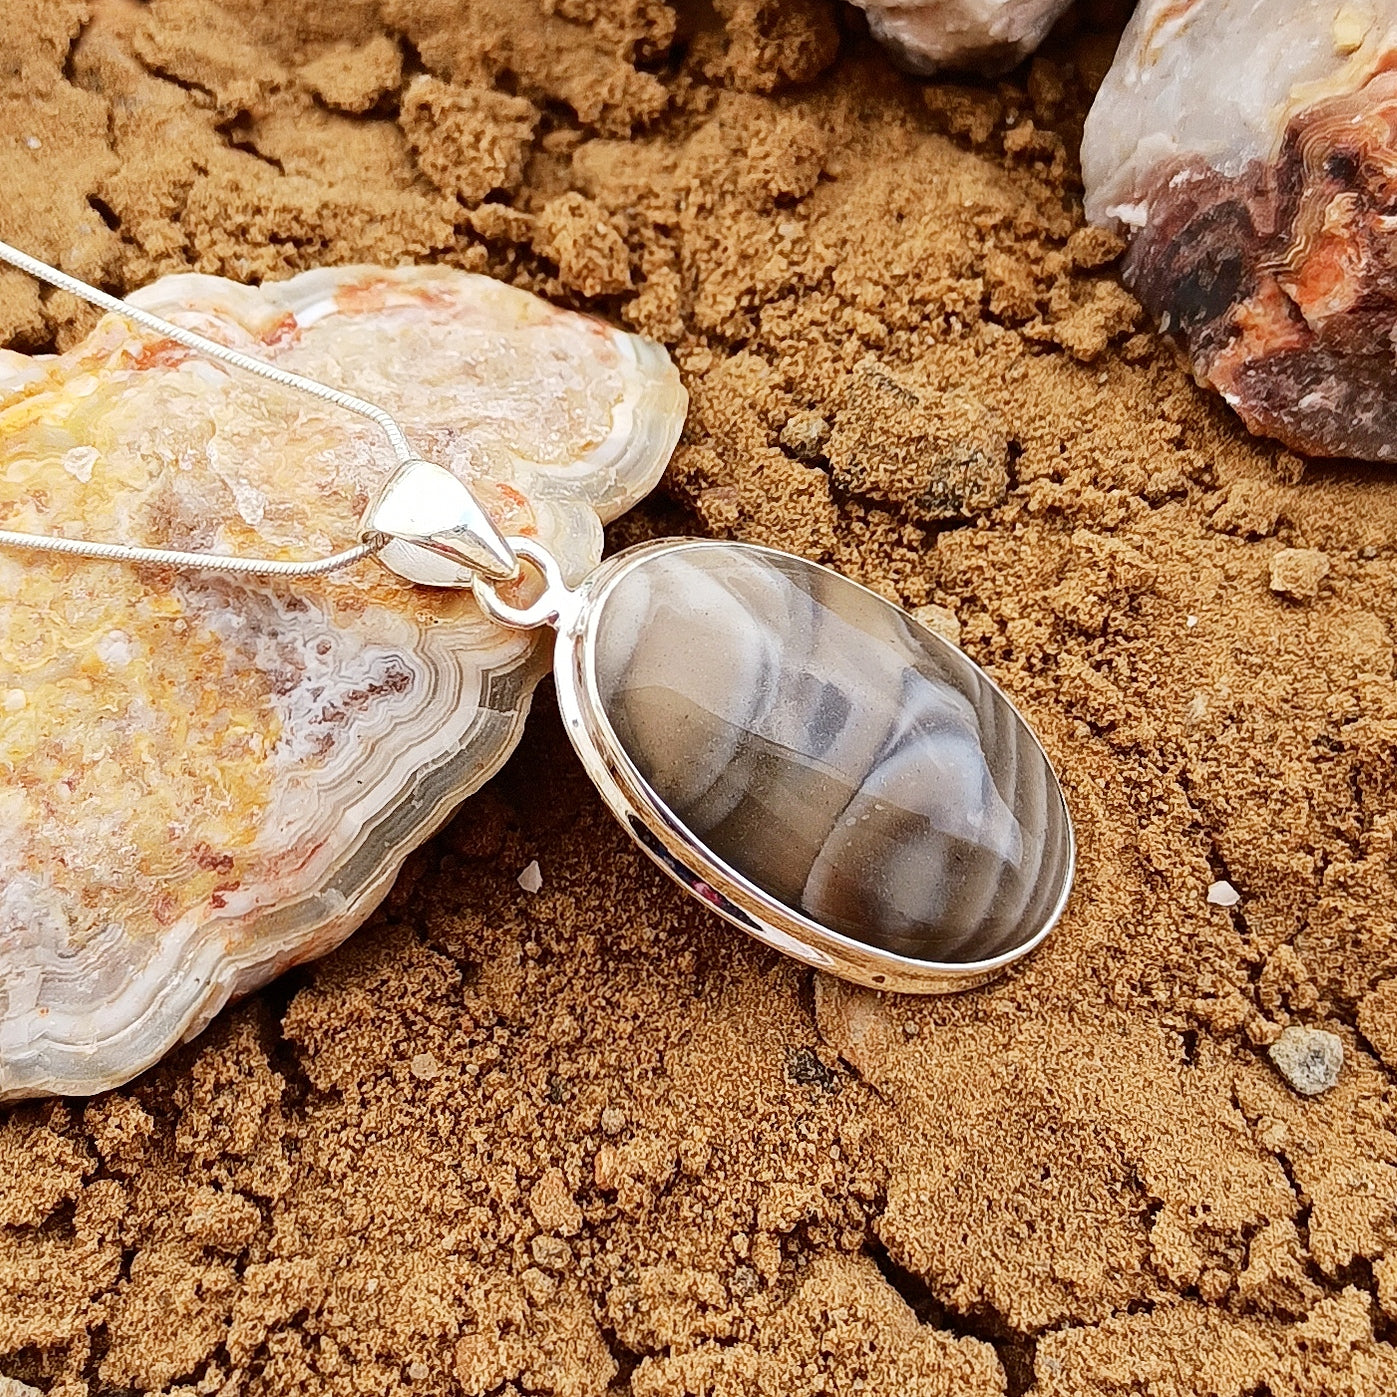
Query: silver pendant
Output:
(797,752)
(807,759)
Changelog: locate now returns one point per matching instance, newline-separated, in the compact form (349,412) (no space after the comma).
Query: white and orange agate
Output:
(1249,147)
(205,780)
(987,35)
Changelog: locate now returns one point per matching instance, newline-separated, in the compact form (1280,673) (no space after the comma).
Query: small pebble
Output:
(1223,894)
(531,879)
(613,1120)
(15,699)
(417,1371)
(1308,1058)
(804,434)
(33,142)
(1297,572)
(424,1067)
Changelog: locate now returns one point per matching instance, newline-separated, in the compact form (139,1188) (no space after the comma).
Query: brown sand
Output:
(592,1140)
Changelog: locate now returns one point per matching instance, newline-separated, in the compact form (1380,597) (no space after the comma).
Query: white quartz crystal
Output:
(991,35)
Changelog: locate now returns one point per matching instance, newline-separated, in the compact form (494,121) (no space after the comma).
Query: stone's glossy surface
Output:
(825,746)
(1259,194)
(990,35)
(202,780)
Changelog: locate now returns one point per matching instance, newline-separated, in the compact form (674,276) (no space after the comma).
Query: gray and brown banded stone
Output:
(824,745)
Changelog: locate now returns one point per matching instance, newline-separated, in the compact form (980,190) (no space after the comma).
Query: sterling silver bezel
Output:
(671,845)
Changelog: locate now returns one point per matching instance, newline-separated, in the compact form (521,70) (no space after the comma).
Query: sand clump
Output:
(1298,572)
(585,1139)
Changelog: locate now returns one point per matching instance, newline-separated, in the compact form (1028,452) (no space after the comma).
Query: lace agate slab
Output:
(1250,149)
(205,780)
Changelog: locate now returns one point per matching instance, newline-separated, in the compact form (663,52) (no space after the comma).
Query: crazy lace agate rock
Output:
(990,35)
(205,780)
(1250,149)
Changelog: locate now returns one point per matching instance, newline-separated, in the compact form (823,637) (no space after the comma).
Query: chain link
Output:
(214,562)
(173,558)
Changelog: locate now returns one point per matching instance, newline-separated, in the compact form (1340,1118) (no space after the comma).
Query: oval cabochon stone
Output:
(821,743)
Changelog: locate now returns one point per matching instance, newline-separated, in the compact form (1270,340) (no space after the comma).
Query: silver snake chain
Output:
(214,562)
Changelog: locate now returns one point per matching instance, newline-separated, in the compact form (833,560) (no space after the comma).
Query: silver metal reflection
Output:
(436,532)
(688,856)
(460,534)
(908,803)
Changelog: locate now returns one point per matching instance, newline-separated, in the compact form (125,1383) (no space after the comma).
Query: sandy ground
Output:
(591,1140)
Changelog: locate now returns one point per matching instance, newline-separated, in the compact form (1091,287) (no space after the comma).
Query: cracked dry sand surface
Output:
(589,1140)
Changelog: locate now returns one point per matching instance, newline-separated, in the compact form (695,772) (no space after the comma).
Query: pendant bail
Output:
(439,534)
(556,604)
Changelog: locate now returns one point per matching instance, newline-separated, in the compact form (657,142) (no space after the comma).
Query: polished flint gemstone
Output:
(835,753)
